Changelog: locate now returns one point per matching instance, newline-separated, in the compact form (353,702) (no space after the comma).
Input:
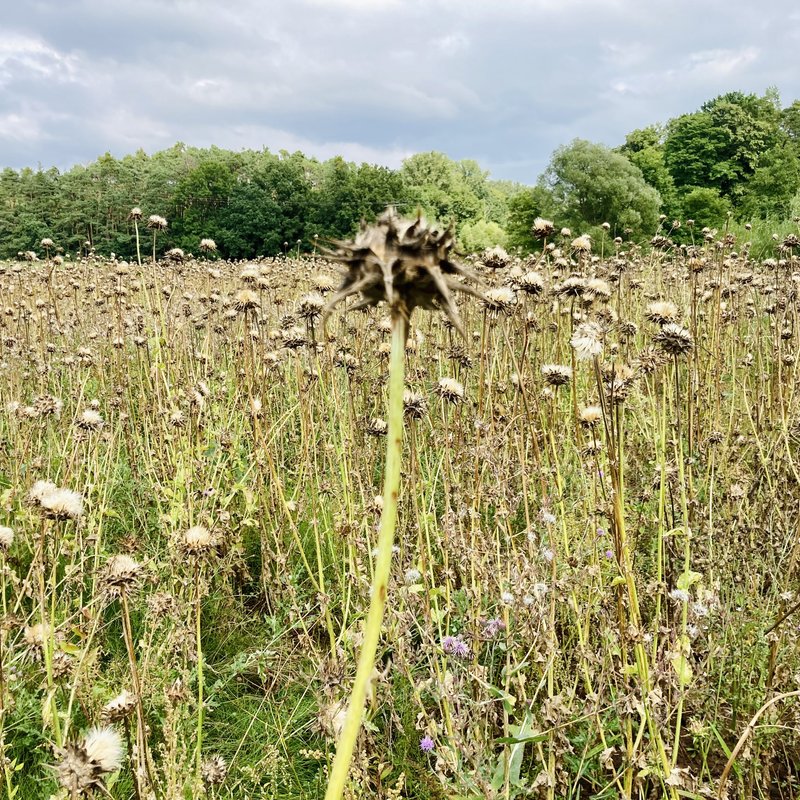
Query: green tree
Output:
(592,184)
(523,208)
(706,207)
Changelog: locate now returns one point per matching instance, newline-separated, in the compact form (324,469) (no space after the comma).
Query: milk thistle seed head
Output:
(83,765)
(587,341)
(674,339)
(6,538)
(405,263)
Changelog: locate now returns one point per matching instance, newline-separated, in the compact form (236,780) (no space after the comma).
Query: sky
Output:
(504,82)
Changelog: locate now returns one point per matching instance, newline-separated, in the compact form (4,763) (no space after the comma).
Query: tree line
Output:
(738,155)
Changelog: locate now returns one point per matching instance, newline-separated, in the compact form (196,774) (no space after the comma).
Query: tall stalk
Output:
(383,561)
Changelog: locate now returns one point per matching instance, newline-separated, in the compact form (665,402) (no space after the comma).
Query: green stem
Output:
(383,561)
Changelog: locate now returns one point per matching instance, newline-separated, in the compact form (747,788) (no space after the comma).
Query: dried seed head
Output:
(597,289)
(674,339)
(6,538)
(156,222)
(450,390)
(310,306)
(376,427)
(556,374)
(494,258)
(198,541)
(591,416)
(500,300)
(582,244)
(414,405)
(119,707)
(135,213)
(214,770)
(246,299)
(587,341)
(662,312)
(542,228)
(83,765)
(571,287)
(208,245)
(405,263)
(122,574)
(531,283)
(90,420)
(57,503)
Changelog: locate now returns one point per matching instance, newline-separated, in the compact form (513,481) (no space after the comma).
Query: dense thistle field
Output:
(596,568)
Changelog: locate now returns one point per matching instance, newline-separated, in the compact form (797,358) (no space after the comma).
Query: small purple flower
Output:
(426,744)
(455,646)
(609,554)
(601,531)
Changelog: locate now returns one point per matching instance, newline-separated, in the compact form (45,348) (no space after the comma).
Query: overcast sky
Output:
(503,82)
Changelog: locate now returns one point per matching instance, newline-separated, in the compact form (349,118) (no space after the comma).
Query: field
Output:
(594,581)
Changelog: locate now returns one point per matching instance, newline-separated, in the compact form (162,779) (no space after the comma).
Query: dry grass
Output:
(594,582)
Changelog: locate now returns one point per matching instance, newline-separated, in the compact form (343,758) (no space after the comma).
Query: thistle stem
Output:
(383,561)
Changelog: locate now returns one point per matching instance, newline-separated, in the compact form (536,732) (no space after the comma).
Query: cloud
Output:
(504,84)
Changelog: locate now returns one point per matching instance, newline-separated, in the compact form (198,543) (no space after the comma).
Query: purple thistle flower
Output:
(426,744)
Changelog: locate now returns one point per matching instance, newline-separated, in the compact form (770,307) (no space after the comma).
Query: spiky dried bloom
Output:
(662,312)
(246,299)
(198,541)
(597,289)
(790,241)
(674,339)
(83,765)
(450,390)
(590,416)
(531,283)
(499,300)
(249,275)
(494,257)
(414,405)
(573,286)
(324,283)
(405,263)
(46,405)
(542,228)
(310,306)
(208,246)
(376,427)
(6,538)
(582,244)
(556,374)
(90,420)
(294,337)
(135,213)
(121,575)
(214,770)
(119,707)
(47,243)
(56,503)
(587,341)
(156,222)
(660,242)
(36,635)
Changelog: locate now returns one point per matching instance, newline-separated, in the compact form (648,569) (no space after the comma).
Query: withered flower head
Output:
(376,427)
(208,245)
(450,390)
(122,573)
(414,405)
(531,283)
(404,262)
(214,770)
(500,300)
(156,222)
(542,228)
(198,541)
(119,707)
(662,312)
(556,374)
(494,257)
(674,339)
(83,765)
(6,538)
